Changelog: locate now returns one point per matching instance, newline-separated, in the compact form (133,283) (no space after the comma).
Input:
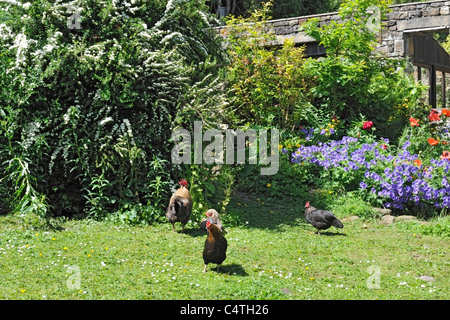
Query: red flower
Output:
(446,112)
(418,162)
(414,122)
(367,125)
(434,116)
(433,142)
(384,146)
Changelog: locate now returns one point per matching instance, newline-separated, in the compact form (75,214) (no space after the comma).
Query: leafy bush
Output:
(290,181)
(90,93)
(268,87)
(287,183)
(441,228)
(210,187)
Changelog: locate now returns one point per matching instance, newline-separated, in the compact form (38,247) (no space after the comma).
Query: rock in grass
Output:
(427,278)
(382,211)
(405,218)
(350,219)
(387,219)
(286,291)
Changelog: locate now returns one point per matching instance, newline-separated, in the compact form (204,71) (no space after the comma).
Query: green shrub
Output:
(90,94)
(210,187)
(268,87)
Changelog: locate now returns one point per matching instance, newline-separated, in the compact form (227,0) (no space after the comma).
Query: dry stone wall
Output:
(406,18)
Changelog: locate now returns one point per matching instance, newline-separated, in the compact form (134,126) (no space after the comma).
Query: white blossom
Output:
(106,120)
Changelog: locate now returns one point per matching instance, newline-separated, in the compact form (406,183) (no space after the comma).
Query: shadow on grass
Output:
(264,213)
(232,269)
(331,234)
(254,212)
(195,232)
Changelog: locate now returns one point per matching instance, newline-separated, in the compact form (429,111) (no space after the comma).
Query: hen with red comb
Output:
(215,250)
(321,219)
(183,183)
(180,206)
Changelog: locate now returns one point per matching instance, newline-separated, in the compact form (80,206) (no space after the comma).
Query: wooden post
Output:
(443,90)
(432,98)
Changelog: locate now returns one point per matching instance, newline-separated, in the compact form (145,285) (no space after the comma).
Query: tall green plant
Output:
(26,199)
(267,85)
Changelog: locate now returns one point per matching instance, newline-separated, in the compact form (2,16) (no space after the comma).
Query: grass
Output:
(272,254)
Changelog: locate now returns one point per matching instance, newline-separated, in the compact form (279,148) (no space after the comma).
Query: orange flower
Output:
(414,122)
(433,142)
(446,112)
(418,162)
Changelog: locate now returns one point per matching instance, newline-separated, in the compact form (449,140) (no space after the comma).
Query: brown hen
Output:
(215,250)
(180,206)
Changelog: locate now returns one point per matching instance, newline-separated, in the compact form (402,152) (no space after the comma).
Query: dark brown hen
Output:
(321,219)
(215,250)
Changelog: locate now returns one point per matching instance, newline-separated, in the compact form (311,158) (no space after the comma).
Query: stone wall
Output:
(413,17)
(405,18)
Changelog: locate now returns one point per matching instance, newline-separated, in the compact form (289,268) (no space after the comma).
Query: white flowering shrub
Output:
(91,91)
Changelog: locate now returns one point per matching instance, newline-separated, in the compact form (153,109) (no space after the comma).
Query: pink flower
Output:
(367,125)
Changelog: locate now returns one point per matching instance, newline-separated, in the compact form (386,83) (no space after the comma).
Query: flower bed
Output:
(399,177)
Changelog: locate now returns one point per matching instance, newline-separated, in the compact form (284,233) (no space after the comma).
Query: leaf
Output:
(211,187)
(128,193)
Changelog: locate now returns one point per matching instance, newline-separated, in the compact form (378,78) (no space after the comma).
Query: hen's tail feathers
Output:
(177,206)
(336,223)
(180,204)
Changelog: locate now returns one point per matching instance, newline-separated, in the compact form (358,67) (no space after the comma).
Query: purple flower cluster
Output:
(326,155)
(397,179)
(309,132)
(407,183)
(344,154)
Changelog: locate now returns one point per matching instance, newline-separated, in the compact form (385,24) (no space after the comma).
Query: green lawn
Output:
(272,254)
